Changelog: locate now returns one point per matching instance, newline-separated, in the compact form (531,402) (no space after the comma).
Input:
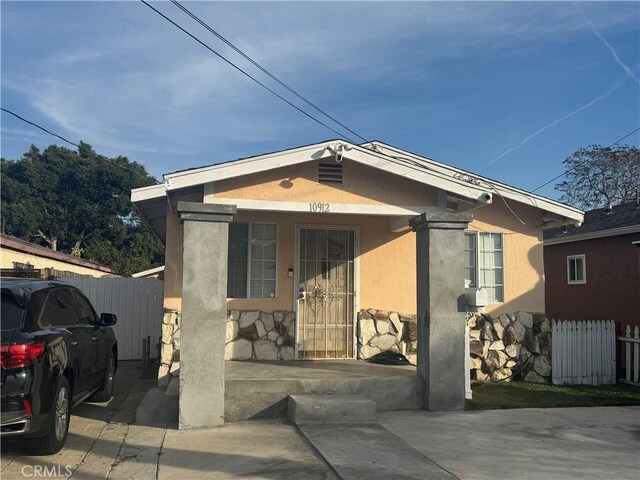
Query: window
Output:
(12,312)
(483,263)
(237,262)
(252,260)
(58,310)
(87,314)
(22,266)
(576,269)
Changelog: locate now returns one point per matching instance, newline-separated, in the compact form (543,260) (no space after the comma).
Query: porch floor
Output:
(259,389)
(310,369)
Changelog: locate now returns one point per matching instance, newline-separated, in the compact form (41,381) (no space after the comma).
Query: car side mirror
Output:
(108,319)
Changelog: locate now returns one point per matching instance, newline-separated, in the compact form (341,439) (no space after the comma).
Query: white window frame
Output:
(476,281)
(584,269)
(249,236)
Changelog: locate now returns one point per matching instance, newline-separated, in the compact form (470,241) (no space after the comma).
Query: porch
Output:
(259,389)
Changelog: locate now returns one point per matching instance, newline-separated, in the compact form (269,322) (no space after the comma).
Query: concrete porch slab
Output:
(258,390)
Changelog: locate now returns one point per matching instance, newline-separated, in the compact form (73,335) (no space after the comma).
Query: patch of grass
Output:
(488,396)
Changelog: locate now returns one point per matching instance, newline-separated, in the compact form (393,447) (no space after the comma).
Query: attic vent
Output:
(330,173)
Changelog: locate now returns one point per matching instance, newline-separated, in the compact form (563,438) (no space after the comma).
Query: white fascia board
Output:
(151,271)
(333,208)
(315,152)
(613,232)
(434,174)
(432,178)
(506,191)
(238,168)
(148,193)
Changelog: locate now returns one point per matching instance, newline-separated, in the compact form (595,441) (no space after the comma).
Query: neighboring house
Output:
(21,258)
(321,242)
(157,272)
(593,271)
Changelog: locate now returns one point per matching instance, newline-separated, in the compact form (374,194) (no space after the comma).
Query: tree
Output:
(601,176)
(78,202)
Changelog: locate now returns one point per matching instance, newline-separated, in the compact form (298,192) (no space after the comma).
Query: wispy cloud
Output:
(615,55)
(376,66)
(608,92)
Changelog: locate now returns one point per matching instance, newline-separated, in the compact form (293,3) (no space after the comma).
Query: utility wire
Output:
(395,159)
(101,157)
(247,74)
(264,70)
(38,126)
(567,171)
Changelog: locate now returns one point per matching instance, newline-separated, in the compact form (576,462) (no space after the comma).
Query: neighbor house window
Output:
(251,271)
(483,263)
(22,266)
(576,269)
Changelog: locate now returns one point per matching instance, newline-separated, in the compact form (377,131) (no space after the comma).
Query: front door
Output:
(325,292)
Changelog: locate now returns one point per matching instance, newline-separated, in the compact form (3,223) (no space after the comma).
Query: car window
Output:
(58,308)
(12,313)
(87,314)
(67,311)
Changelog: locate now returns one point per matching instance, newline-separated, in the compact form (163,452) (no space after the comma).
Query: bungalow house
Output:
(19,258)
(593,271)
(322,260)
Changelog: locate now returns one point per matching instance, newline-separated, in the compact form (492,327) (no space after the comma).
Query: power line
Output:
(264,70)
(394,158)
(101,157)
(38,126)
(567,171)
(247,74)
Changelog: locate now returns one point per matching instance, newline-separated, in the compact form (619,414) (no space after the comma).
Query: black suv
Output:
(55,353)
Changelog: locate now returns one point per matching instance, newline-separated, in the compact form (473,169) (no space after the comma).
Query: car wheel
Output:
(58,422)
(105,394)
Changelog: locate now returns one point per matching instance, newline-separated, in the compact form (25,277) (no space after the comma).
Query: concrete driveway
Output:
(555,443)
(96,433)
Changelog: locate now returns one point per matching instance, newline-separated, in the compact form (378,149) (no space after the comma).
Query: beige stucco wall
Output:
(8,256)
(522,250)
(387,260)
(362,185)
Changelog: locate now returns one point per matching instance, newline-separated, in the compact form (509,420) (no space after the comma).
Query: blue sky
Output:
(482,86)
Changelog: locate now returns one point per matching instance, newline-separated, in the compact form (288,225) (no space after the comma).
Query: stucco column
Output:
(440,299)
(204,313)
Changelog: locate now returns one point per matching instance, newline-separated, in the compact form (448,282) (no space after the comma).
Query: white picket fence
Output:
(583,352)
(138,304)
(632,362)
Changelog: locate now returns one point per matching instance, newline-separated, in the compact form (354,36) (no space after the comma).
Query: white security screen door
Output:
(325,293)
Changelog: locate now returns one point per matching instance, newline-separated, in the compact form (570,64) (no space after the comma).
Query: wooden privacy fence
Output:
(632,367)
(137,302)
(583,352)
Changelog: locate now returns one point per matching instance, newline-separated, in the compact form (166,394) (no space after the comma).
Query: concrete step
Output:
(303,409)
(368,450)
(262,398)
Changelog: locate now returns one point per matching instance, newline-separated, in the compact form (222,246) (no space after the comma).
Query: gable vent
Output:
(330,173)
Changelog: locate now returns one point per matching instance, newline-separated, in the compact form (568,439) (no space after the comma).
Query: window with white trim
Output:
(576,269)
(484,268)
(251,268)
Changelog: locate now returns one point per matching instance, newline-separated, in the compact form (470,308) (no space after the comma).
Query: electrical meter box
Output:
(475,298)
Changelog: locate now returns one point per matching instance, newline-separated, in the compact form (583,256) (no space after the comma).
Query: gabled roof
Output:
(460,185)
(601,222)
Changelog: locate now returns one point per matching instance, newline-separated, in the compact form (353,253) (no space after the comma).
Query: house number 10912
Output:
(318,207)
